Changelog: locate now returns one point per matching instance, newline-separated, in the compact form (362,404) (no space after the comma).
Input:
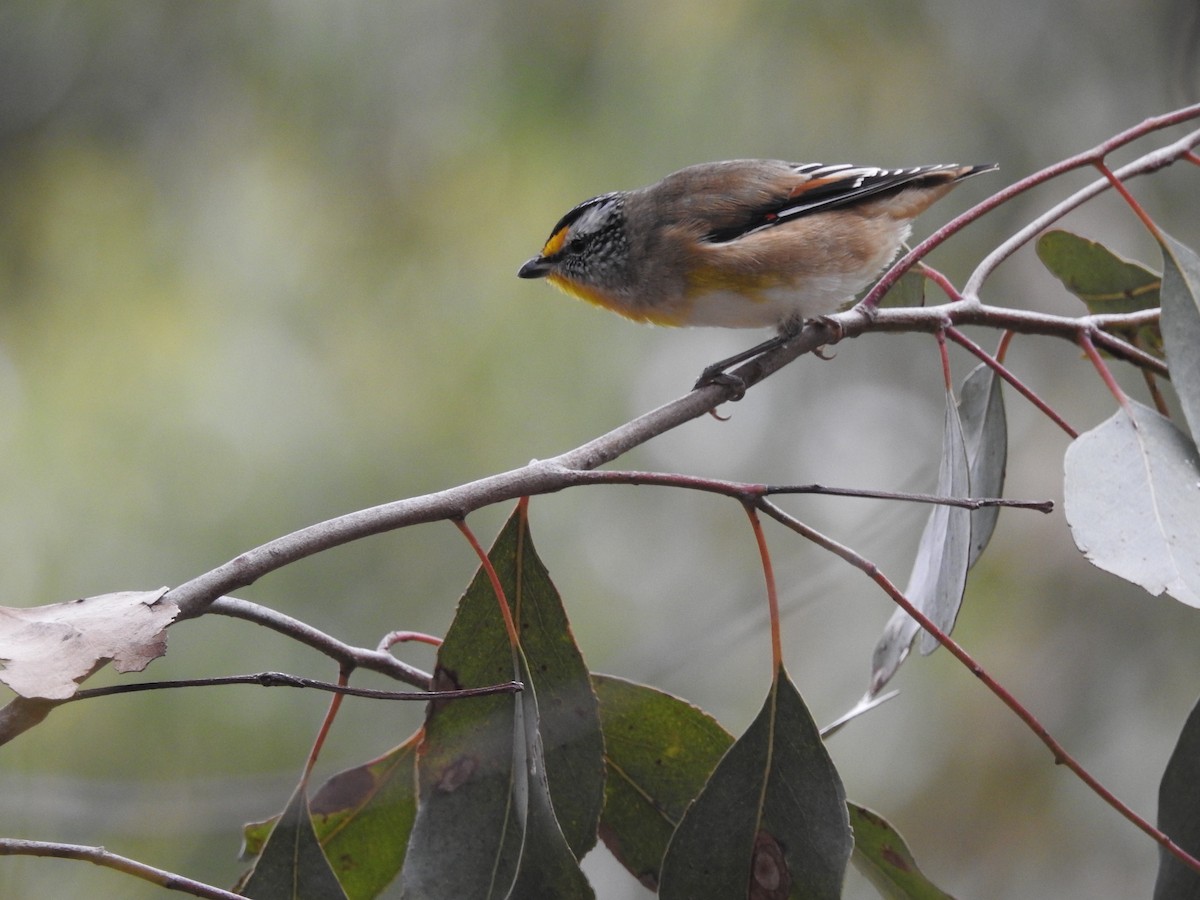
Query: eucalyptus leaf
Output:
(1132,500)
(771,821)
(1181,325)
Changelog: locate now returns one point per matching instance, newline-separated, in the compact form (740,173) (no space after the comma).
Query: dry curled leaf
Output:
(46,651)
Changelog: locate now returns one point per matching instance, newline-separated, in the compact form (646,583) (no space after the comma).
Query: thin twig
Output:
(741,489)
(360,657)
(1000,369)
(282,679)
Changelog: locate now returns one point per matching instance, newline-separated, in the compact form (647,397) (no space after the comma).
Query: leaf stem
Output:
(1089,349)
(947,375)
(1138,209)
(335,704)
(772,595)
(497,588)
(993,362)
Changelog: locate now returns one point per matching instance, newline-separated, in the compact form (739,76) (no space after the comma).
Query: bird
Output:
(743,243)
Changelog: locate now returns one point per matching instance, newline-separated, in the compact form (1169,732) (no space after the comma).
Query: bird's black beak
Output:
(535,268)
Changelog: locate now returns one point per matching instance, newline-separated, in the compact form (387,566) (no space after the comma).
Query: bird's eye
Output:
(575,244)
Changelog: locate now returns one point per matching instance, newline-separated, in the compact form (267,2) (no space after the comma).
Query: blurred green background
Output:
(257,268)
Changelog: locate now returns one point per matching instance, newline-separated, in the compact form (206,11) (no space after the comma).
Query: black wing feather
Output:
(852,184)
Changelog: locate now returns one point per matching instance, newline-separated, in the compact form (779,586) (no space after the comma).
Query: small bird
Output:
(745,243)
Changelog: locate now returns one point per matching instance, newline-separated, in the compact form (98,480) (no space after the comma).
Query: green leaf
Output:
(1105,282)
(908,291)
(547,867)
(1179,814)
(510,787)
(1181,326)
(771,821)
(939,573)
(291,865)
(362,817)
(1132,500)
(569,721)
(660,751)
(882,855)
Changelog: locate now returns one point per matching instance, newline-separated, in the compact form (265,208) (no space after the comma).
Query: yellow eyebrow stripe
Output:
(556,241)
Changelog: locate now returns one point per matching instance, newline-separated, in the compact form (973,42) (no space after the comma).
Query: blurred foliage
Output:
(257,269)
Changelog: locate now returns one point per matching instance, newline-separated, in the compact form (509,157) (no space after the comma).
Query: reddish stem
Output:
(505,613)
(335,703)
(1138,210)
(399,637)
(996,366)
(772,595)
(947,376)
(941,281)
(1106,375)
(1002,350)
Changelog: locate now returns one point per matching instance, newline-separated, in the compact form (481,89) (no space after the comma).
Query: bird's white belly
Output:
(771,307)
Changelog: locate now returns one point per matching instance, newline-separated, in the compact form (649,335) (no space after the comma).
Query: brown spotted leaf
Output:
(882,855)
(362,818)
(771,822)
(510,787)
(292,865)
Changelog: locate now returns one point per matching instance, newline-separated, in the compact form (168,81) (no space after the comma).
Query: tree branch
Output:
(344,654)
(102,857)
(194,597)
(1150,162)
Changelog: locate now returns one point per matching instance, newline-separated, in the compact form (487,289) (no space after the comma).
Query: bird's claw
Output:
(715,375)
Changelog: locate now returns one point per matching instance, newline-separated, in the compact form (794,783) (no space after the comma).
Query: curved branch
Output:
(1087,158)
(199,595)
(342,653)
(102,857)
(194,597)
